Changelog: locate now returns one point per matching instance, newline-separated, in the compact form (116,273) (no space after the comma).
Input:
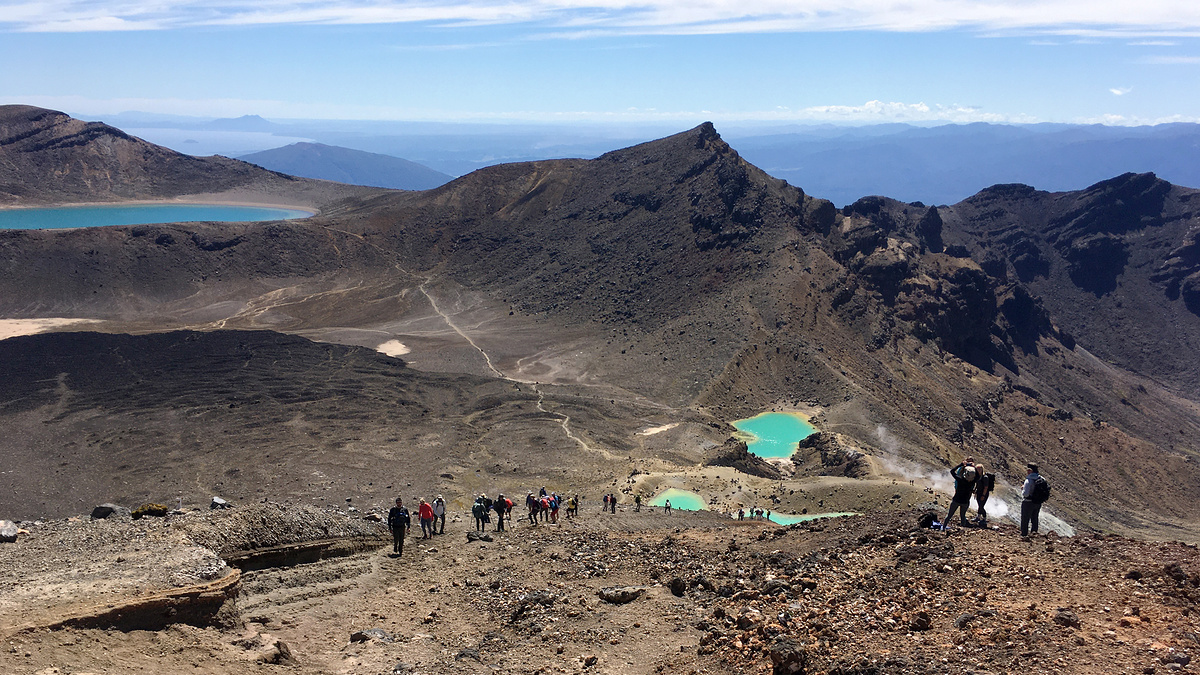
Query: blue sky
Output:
(854,61)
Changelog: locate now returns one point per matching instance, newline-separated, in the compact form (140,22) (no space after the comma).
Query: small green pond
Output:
(793,518)
(680,499)
(773,435)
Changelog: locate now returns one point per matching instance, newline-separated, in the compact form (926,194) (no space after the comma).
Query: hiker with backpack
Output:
(480,512)
(1034,493)
(965,477)
(985,483)
(501,508)
(399,523)
(439,515)
(532,504)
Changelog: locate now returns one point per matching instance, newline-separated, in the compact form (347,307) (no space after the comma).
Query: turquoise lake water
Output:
(138,214)
(793,518)
(773,435)
(680,499)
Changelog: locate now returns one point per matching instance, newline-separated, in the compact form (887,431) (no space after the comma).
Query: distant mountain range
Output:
(945,164)
(327,162)
(934,165)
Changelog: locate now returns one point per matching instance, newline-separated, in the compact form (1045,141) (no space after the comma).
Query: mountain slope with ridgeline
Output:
(48,157)
(594,325)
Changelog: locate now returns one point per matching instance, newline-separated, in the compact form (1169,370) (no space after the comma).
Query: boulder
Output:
(8,532)
(787,656)
(278,654)
(218,503)
(620,595)
(1065,617)
(678,587)
(478,536)
(108,510)
(372,634)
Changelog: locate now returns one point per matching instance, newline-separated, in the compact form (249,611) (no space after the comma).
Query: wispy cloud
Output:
(1170,60)
(1120,91)
(1154,43)
(870,112)
(1083,18)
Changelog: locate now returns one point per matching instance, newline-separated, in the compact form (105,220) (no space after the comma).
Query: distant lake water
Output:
(680,499)
(774,435)
(138,214)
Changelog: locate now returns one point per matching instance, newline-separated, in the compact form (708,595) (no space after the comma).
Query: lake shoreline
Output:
(197,200)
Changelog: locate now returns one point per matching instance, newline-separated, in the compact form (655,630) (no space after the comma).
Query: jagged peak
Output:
(1129,181)
(701,137)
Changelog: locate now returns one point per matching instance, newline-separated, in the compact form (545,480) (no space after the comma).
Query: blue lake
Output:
(773,435)
(138,214)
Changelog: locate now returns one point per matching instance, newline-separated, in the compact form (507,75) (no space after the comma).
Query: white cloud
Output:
(1171,60)
(1081,18)
(870,112)
(1120,91)
(1135,121)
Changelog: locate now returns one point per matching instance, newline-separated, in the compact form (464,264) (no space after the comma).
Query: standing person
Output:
(612,502)
(741,513)
(637,502)
(398,522)
(500,507)
(964,485)
(604,507)
(667,507)
(573,506)
(425,513)
(439,515)
(985,483)
(477,511)
(531,503)
(1033,494)
(555,500)
(487,509)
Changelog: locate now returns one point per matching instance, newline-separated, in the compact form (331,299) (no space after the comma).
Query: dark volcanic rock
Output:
(620,595)
(8,532)
(105,510)
(735,454)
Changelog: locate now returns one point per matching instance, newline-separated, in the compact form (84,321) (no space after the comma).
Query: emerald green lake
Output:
(138,214)
(793,518)
(774,435)
(680,499)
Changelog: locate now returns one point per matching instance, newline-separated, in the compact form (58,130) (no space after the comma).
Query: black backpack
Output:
(1041,490)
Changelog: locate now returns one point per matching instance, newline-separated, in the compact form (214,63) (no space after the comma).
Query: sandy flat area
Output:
(14,327)
(393,348)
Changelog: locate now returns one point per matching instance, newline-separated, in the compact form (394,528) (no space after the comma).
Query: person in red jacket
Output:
(426,514)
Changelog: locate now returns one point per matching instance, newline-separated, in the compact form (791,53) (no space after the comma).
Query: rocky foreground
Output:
(267,588)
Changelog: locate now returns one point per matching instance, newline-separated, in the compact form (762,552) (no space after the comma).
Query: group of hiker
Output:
(973,480)
(430,515)
(542,507)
